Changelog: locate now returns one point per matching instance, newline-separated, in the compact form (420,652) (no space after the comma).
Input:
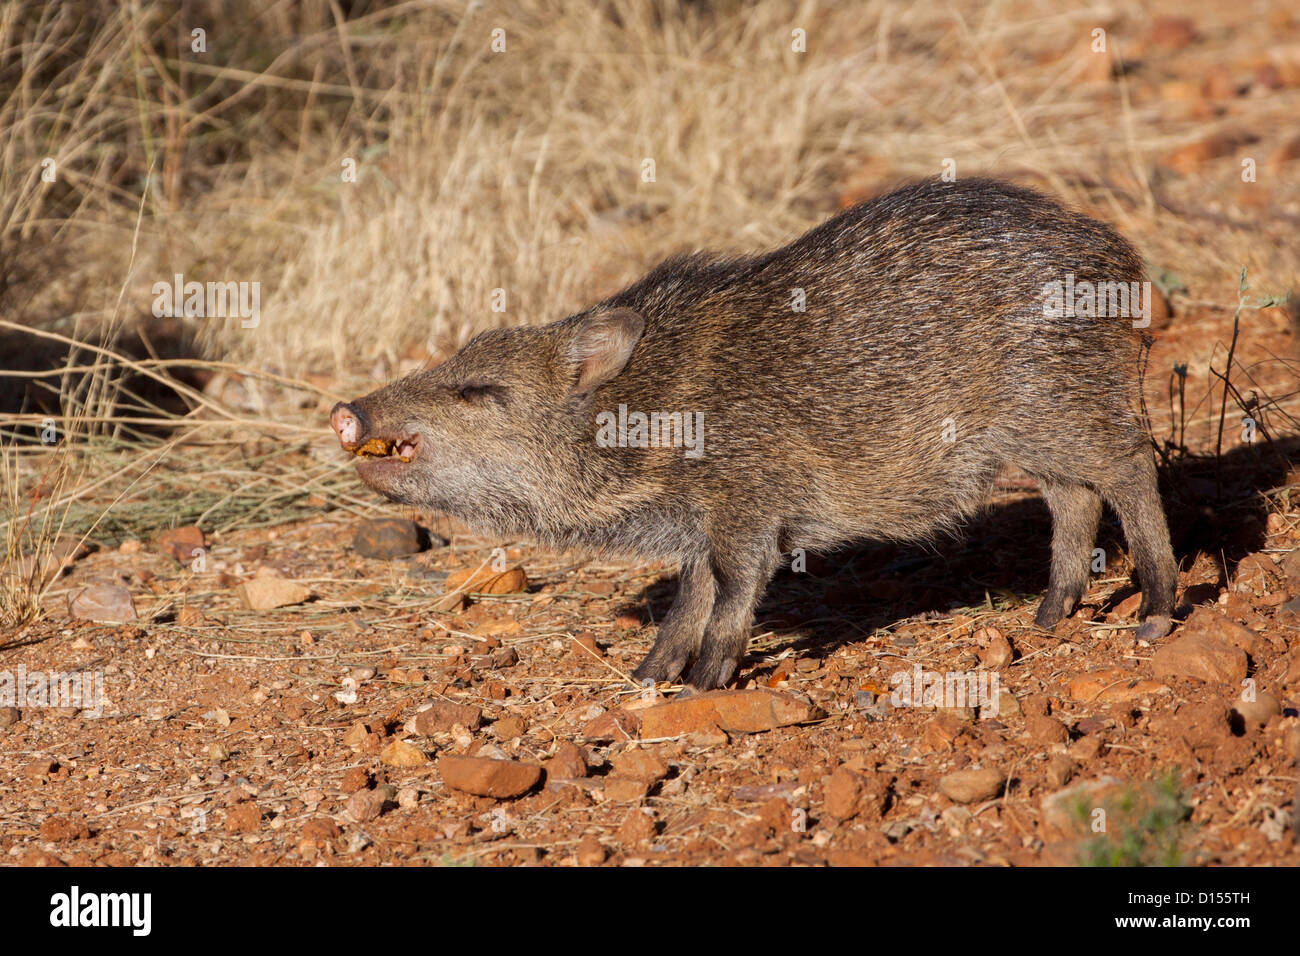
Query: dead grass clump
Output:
(399,176)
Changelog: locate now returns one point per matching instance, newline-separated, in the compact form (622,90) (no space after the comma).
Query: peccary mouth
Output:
(402,449)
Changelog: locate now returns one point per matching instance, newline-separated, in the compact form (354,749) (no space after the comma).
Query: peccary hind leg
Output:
(1133,491)
(1076,511)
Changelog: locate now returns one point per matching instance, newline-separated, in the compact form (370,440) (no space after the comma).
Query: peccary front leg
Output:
(682,630)
(740,575)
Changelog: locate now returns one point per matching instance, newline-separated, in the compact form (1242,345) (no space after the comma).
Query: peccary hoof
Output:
(1153,628)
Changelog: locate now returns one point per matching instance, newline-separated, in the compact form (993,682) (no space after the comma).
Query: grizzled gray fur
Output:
(923,362)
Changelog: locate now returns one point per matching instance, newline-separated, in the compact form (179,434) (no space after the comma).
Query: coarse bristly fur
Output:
(868,380)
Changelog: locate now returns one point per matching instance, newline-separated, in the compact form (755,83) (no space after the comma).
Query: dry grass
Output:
(522,170)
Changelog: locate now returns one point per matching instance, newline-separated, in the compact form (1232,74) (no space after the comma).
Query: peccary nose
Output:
(348,423)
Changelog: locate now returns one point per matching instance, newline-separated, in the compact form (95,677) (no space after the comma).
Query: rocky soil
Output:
(279,697)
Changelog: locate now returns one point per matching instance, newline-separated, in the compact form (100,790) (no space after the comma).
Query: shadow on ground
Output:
(1216,509)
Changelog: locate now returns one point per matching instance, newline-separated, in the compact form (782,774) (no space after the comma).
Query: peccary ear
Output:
(602,344)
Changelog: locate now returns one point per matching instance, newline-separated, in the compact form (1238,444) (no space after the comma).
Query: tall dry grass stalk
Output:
(29,564)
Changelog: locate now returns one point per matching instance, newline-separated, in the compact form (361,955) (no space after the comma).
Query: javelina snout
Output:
(869,380)
(348,423)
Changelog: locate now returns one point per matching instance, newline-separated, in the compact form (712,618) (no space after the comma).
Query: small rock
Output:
(995,649)
(319,831)
(710,736)
(355,779)
(356,735)
(613,725)
(1255,573)
(971,786)
(844,793)
(1259,710)
(102,602)
(488,778)
(348,694)
(1087,748)
(736,711)
(64,828)
(1059,770)
(1112,685)
(408,798)
(505,657)
(443,715)
(9,716)
(386,538)
(774,816)
(956,819)
(366,805)
(1290,565)
(1008,705)
(402,754)
(266,592)
(584,645)
(508,728)
(757,792)
(491,751)
(568,763)
(1046,730)
(590,852)
(184,544)
(1206,622)
(1036,704)
(626,789)
(243,818)
(640,765)
(1201,657)
(637,828)
(1128,607)
(940,733)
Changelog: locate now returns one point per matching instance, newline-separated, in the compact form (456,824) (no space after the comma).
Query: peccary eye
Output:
(477,391)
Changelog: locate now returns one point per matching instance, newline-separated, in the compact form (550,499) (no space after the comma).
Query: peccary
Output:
(867,381)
